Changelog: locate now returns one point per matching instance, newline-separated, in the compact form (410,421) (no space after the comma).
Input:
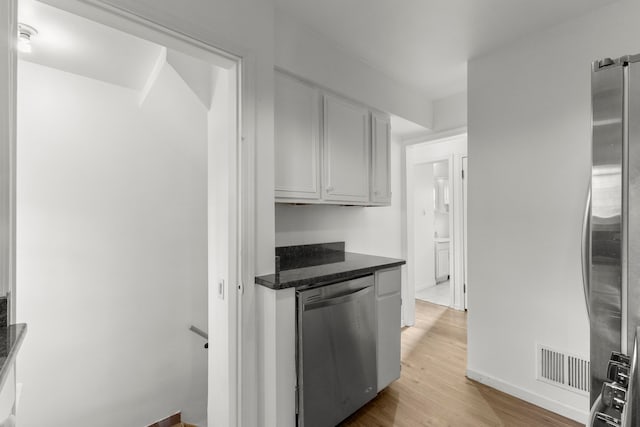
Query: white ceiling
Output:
(80,46)
(426,43)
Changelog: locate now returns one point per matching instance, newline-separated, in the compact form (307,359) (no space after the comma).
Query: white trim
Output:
(12,134)
(435,137)
(246,246)
(528,396)
(239,61)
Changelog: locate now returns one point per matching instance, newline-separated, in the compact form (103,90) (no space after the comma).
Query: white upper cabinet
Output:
(328,149)
(380,158)
(297,139)
(346,151)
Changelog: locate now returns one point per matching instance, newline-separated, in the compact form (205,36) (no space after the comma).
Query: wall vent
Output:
(563,370)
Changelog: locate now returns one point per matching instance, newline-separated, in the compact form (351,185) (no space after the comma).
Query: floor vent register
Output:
(563,370)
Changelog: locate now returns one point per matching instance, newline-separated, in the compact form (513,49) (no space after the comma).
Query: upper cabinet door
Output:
(297,139)
(346,151)
(380,158)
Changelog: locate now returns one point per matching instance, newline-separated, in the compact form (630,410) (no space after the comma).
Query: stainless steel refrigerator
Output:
(611,240)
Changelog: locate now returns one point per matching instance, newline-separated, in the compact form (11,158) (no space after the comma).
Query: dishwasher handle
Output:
(339,299)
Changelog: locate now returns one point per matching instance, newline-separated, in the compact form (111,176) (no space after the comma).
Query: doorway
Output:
(130,226)
(434,223)
(433,217)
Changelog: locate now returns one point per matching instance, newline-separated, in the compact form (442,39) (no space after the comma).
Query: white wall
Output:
(529,165)
(112,250)
(310,55)
(450,112)
(423,226)
(369,230)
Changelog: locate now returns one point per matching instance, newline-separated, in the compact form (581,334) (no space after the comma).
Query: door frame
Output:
(455,261)
(465,192)
(236,225)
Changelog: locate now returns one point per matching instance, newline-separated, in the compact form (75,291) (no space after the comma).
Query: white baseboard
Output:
(527,396)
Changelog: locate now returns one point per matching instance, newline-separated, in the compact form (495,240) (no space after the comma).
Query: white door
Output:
(346,151)
(464,226)
(297,139)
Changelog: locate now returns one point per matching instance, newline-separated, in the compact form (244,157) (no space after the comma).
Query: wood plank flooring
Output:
(433,389)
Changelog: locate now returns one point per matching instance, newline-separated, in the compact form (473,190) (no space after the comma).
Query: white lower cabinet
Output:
(442,261)
(389,325)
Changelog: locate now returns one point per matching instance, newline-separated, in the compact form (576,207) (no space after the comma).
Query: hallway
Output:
(433,389)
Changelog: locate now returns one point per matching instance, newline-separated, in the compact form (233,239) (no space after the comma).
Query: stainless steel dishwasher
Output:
(336,351)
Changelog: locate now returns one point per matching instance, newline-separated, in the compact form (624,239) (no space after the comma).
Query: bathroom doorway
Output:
(432,223)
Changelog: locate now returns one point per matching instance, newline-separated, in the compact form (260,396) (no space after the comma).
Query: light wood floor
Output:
(433,390)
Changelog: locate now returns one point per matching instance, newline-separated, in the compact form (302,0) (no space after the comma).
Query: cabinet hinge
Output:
(464,288)
(462,173)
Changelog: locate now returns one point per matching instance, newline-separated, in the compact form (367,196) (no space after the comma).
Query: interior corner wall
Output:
(311,56)
(450,112)
(529,167)
(112,250)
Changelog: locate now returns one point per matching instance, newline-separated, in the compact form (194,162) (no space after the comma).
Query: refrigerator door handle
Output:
(586,242)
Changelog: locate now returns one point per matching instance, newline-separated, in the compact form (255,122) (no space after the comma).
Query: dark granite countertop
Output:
(317,265)
(11,339)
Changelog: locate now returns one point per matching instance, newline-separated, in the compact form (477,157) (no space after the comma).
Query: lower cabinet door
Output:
(388,339)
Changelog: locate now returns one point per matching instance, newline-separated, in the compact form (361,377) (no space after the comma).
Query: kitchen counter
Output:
(316,265)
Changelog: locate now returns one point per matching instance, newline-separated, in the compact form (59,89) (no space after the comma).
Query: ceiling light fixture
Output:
(25,32)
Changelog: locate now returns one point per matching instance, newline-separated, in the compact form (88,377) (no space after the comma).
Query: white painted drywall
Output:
(529,165)
(307,54)
(450,112)
(423,225)
(112,250)
(197,74)
(369,230)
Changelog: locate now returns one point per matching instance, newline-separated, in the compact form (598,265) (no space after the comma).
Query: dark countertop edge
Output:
(21,330)
(325,279)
